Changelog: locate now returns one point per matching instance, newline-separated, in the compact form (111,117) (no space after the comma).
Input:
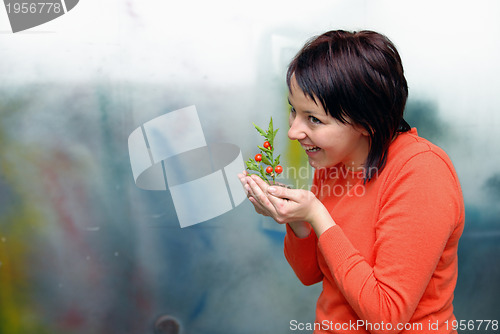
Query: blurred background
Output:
(84,250)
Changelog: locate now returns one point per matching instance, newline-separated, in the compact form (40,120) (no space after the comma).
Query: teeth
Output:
(311,148)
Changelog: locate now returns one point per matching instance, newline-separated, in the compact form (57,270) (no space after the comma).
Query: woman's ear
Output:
(361,129)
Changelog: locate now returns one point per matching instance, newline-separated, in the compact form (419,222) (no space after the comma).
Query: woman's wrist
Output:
(300,229)
(320,220)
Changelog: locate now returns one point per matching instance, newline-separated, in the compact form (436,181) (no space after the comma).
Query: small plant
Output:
(266,156)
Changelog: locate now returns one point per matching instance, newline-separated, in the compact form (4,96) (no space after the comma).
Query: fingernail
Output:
(271,190)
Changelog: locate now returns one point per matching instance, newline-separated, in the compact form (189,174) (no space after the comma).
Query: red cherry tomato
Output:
(269,169)
(267,145)
(278,169)
(258,157)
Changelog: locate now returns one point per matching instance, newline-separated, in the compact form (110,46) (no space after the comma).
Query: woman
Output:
(381,224)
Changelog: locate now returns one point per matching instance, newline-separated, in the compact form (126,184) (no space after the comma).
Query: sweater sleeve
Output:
(419,210)
(301,254)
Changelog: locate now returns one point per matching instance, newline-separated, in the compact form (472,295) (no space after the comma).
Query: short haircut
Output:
(358,78)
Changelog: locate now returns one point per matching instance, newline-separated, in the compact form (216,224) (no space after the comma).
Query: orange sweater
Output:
(390,263)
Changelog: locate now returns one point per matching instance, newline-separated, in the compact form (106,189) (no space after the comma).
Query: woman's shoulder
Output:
(409,150)
(409,145)
(416,165)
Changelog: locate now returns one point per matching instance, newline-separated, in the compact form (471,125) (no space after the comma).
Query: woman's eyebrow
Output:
(305,111)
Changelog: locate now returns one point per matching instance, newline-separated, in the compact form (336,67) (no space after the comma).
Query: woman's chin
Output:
(315,163)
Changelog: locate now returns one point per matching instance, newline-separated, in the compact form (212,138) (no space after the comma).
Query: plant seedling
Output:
(266,156)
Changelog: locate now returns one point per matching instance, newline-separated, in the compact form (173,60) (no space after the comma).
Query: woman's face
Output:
(327,141)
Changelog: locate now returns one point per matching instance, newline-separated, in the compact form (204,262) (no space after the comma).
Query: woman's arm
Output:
(301,254)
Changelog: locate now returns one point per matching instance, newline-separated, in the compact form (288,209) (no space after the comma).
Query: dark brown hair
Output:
(358,78)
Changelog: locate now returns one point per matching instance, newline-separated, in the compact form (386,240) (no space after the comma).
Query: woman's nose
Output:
(296,131)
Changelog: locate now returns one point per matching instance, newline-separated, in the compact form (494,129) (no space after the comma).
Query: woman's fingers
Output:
(244,182)
(282,204)
(257,191)
(252,193)
(258,208)
(242,176)
(282,192)
(268,200)
(261,183)
(294,195)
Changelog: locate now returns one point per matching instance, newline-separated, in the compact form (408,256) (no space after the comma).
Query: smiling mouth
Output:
(311,149)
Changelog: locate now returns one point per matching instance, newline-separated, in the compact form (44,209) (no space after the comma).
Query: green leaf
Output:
(272,136)
(270,133)
(263,174)
(262,132)
(251,165)
(277,161)
(263,149)
(266,160)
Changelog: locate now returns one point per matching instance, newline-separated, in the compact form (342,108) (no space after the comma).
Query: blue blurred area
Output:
(84,250)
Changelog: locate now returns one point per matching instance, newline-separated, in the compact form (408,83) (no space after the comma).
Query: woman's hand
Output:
(285,205)
(244,179)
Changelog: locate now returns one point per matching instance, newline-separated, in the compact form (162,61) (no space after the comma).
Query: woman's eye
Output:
(314,120)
